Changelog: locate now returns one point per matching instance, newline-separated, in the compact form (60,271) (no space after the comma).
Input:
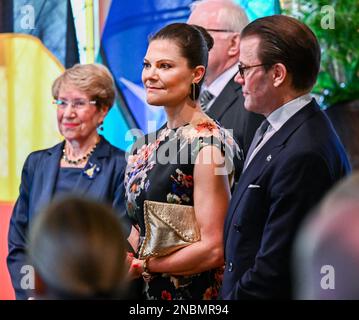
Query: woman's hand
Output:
(211,196)
(136,269)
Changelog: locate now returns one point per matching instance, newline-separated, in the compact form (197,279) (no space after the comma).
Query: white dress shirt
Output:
(278,118)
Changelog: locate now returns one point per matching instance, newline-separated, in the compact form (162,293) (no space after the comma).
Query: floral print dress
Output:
(160,168)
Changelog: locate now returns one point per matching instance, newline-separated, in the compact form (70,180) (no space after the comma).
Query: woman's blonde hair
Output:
(95,80)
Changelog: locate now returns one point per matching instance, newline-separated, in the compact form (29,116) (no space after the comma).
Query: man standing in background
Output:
(221,97)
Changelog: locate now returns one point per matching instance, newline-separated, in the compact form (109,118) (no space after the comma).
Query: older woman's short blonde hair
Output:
(95,80)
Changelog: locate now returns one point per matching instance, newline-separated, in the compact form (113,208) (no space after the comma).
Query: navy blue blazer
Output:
(38,182)
(286,178)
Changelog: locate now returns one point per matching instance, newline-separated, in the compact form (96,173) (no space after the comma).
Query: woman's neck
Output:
(77,148)
(178,116)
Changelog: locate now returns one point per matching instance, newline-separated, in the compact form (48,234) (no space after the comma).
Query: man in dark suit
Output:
(221,96)
(294,159)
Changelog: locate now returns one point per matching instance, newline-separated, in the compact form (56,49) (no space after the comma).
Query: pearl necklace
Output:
(78,161)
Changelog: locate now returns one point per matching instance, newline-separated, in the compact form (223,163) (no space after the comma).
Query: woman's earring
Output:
(100,126)
(194,92)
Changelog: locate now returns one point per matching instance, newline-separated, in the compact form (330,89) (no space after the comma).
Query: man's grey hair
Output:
(231,15)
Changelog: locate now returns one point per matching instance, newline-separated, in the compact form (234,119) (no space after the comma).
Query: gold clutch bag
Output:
(169,227)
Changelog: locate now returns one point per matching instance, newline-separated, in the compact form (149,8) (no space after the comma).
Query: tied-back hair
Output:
(194,42)
(288,41)
(93,79)
(77,249)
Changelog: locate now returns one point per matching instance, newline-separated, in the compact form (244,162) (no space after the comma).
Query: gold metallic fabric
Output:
(169,227)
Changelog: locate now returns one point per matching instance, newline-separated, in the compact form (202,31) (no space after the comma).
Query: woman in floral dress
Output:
(187,162)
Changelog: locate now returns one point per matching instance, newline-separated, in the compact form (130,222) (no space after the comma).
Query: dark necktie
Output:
(258,137)
(204,99)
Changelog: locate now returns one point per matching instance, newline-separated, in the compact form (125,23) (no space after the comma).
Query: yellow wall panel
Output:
(27,116)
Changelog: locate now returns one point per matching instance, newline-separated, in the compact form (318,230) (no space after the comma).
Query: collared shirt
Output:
(218,85)
(279,117)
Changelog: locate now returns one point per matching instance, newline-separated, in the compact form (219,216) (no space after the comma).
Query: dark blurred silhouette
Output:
(326,259)
(77,249)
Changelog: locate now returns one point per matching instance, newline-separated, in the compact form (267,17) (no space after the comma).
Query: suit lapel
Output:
(50,172)
(225,99)
(255,169)
(266,155)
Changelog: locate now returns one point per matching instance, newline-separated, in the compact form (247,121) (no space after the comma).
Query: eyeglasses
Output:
(219,30)
(77,104)
(242,68)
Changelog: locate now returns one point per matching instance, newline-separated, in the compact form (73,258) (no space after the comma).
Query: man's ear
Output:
(233,49)
(279,74)
(198,73)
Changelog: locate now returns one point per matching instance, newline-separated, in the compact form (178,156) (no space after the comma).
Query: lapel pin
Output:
(269,158)
(92,170)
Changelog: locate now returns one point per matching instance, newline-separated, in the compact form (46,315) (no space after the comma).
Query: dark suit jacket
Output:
(285,179)
(38,182)
(228,109)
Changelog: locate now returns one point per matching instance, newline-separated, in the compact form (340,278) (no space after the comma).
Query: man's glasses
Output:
(219,30)
(77,104)
(242,68)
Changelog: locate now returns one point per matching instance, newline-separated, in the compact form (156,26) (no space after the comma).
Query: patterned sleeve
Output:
(212,134)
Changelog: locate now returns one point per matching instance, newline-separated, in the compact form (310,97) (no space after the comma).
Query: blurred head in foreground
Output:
(326,260)
(77,249)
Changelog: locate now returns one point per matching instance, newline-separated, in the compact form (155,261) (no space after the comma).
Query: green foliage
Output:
(336,24)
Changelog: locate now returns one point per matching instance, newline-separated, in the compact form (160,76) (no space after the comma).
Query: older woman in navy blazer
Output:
(84,163)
